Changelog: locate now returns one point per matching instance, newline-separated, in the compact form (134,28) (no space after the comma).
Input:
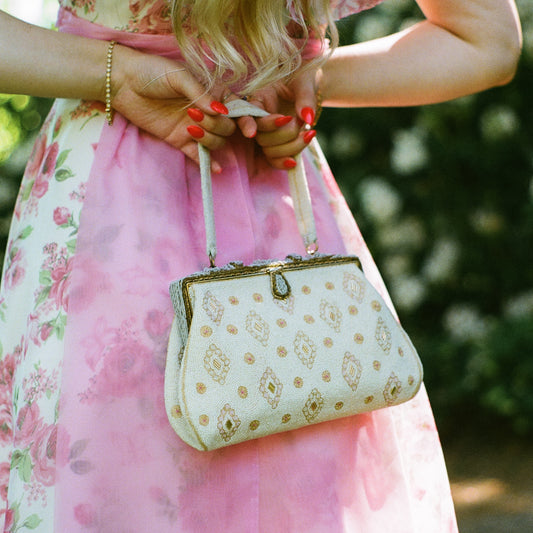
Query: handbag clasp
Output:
(279,285)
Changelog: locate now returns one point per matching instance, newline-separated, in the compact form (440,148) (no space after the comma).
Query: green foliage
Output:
(20,119)
(444,197)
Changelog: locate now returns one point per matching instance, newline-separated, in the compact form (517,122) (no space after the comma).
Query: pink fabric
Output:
(120,468)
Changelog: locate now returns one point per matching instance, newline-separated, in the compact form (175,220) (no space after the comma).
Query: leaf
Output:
(64,174)
(16,457)
(27,191)
(45,277)
(81,467)
(26,232)
(32,522)
(78,448)
(42,296)
(25,468)
(59,330)
(71,246)
(62,157)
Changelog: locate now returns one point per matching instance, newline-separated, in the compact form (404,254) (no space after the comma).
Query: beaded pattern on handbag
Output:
(275,346)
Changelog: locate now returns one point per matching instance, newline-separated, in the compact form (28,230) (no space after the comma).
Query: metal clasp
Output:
(279,285)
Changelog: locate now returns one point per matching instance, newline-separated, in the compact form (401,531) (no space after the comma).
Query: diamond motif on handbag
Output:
(354,287)
(270,387)
(216,364)
(392,389)
(213,308)
(351,370)
(257,328)
(331,315)
(228,422)
(305,349)
(383,336)
(313,405)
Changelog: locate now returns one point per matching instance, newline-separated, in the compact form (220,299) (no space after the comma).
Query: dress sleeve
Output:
(343,8)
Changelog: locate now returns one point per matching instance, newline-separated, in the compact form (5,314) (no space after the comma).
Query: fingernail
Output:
(252,135)
(195,114)
(282,121)
(216,168)
(309,136)
(219,107)
(308,115)
(289,163)
(196,131)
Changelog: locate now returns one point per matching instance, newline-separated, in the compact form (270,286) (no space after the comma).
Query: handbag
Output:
(278,345)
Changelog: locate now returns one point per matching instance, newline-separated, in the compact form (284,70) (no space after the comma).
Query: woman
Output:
(107,216)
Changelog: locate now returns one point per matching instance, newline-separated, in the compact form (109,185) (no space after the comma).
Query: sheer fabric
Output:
(105,219)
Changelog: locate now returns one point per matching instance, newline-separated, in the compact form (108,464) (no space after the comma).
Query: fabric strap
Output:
(297,185)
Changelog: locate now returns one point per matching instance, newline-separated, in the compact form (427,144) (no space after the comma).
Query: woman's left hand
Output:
(287,131)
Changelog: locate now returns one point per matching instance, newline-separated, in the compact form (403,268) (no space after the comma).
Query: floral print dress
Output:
(106,217)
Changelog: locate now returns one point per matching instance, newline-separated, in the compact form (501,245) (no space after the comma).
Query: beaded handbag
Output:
(278,345)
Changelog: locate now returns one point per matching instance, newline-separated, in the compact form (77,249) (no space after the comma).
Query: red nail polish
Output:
(309,136)
(219,107)
(195,114)
(196,131)
(308,115)
(289,163)
(282,121)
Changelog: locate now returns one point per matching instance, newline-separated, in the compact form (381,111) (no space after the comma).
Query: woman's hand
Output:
(287,131)
(163,98)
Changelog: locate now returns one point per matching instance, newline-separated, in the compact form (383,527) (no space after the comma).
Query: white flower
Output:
(441,261)
(487,222)
(380,200)
(397,265)
(408,292)
(407,233)
(519,306)
(464,323)
(345,143)
(409,152)
(498,122)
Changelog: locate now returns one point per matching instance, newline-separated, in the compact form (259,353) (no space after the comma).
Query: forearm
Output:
(41,62)
(436,60)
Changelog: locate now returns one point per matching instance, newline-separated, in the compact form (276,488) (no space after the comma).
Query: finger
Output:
(289,149)
(218,125)
(305,97)
(248,126)
(206,138)
(280,136)
(273,123)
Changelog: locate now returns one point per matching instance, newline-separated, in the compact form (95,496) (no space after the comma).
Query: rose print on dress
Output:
(122,364)
(15,259)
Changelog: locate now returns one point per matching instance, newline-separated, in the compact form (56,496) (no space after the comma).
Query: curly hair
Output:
(250,44)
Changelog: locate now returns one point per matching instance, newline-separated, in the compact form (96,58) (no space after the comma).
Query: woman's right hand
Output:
(163,98)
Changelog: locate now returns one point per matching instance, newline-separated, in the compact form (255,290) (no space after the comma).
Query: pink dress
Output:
(105,219)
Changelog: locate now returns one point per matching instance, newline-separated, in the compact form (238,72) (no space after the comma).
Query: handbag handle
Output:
(297,185)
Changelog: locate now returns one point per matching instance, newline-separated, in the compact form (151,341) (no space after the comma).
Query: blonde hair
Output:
(249,43)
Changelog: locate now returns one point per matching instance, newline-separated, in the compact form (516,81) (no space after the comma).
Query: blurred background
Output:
(444,197)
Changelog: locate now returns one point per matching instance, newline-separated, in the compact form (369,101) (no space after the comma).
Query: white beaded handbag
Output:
(278,345)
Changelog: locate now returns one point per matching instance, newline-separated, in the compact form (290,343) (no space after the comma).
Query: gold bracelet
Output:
(109,64)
